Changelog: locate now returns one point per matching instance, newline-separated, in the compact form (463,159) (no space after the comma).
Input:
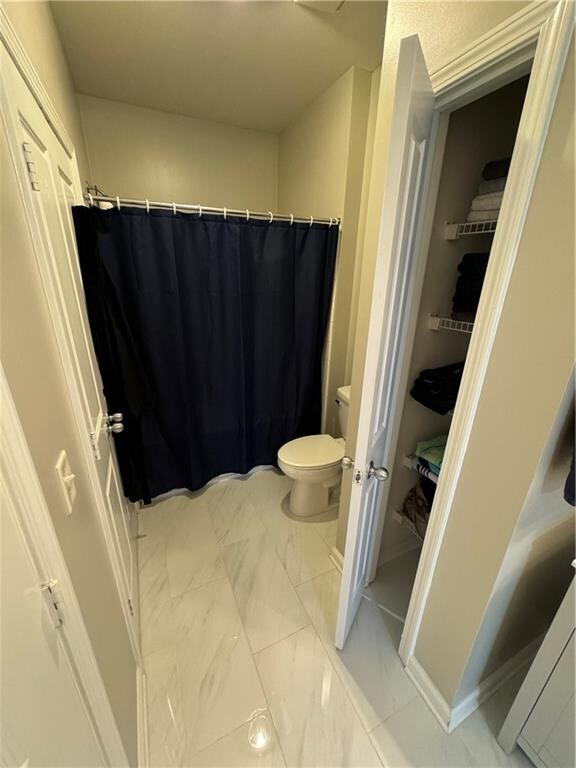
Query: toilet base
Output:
(311,499)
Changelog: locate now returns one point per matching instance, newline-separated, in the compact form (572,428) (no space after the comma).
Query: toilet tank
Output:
(343,400)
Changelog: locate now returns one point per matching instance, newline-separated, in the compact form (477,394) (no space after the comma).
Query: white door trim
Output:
(51,290)
(542,32)
(19,475)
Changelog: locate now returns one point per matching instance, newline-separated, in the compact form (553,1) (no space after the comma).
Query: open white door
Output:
(393,291)
(50,185)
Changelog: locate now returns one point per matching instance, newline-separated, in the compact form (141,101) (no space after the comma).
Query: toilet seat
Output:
(312,452)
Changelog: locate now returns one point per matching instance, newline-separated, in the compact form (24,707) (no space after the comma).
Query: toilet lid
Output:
(312,451)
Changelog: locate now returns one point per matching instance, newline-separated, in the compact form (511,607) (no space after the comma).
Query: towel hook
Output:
(311,220)
(271,219)
(117,202)
(291,219)
(91,199)
(147,207)
(247,215)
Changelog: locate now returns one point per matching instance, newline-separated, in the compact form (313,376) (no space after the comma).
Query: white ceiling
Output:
(254,64)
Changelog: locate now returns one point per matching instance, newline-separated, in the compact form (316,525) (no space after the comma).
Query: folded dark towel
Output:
(473,262)
(437,388)
(496,169)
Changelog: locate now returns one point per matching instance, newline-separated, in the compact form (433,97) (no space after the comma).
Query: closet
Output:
(480,139)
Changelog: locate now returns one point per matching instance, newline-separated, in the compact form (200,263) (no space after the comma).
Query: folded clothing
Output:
(496,169)
(437,388)
(425,469)
(493,185)
(417,505)
(487,202)
(432,452)
(491,215)
(472,270)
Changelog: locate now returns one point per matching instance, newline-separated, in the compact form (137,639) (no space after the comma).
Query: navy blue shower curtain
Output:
(209,336)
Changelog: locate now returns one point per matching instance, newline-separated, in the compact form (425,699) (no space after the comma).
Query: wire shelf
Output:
(454,231)
(437,323)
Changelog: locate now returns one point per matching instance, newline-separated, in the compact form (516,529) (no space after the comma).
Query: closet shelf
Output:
(410,462)
(456,230)
(437,323)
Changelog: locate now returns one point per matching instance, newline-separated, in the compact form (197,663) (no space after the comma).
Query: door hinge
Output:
(48,590)
(95,446)
(358,477)
(30,167)
(131,607)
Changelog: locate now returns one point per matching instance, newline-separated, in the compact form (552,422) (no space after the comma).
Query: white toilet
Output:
(313,463)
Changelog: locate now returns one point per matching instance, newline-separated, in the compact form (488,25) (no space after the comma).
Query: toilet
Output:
(314,464)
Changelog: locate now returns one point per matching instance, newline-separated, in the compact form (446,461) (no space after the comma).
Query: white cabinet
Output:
(542,718)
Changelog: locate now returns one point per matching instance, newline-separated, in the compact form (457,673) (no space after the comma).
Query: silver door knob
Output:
(114,428)
(347,462)
(380,473)
(115,418)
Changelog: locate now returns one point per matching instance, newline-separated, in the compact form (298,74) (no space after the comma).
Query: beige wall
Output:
(32,366)
(444,29)
(321,164)
(29,356)
(34,25)
(144,153)
(525,383)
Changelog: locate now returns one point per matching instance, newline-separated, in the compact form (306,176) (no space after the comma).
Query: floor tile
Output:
(301,550)
(315,721)
(192,554)
(232,511)
(253,745)
(392,587)
(204,685)
(267,601)
(369,666)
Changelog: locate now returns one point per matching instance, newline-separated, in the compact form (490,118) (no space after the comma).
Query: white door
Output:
(387,351)
(44,721)
(50,185)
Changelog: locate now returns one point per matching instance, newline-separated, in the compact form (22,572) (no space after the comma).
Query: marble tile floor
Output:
(238,608)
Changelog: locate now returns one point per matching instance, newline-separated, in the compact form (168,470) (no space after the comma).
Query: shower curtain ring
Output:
(271,217)
(311,221)
(199,211)
(174,208)
(91,199)
(330,225)
(147,207)
(247,215)
(291,219)
(117,202)
(224,214)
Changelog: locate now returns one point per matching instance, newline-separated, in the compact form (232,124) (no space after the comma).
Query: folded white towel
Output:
(494,185)
(483,215)
(487,202)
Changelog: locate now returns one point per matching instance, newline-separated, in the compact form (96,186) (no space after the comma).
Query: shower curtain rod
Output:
(200,209)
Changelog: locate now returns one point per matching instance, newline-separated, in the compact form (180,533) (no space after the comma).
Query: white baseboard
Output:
(431,695)
(490,684)
(451,717)
(142,718)
(337,558)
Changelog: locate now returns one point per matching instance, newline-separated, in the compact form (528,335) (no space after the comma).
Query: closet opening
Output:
(477,150)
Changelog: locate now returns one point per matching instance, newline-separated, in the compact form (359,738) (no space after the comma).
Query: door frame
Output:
(22,61)
(23,486)
(538,36)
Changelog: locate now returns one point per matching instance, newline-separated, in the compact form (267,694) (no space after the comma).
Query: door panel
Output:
(391,303)
(44,722)
(48,208)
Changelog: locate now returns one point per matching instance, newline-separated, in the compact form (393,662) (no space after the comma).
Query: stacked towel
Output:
(472,270)
(437,388)
(487,203)
(431,452)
